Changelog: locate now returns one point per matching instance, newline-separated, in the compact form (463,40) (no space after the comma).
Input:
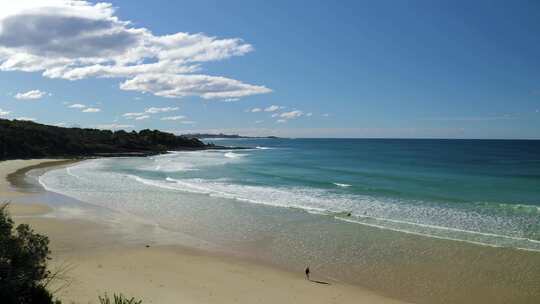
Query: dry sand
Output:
(98,262)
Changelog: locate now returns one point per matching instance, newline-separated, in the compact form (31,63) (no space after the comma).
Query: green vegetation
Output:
(23,264)
(26,139)
(23,267)
(118,299)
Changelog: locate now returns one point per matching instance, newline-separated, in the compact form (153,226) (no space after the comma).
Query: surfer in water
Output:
(307,273)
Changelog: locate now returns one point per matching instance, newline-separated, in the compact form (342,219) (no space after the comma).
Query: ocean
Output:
(354,209)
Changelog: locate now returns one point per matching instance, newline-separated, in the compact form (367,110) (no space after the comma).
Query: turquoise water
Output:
(485,192)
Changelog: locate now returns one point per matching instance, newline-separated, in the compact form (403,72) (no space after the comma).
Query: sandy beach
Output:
(98,262)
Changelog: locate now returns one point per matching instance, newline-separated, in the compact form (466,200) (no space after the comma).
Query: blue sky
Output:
(445,69)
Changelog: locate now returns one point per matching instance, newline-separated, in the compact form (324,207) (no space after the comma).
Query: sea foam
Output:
(342,185)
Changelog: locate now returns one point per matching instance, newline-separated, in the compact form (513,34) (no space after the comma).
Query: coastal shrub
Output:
(118,299)
(23,263)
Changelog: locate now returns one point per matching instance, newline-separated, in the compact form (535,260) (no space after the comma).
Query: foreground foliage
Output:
(23,263)
(23,266)
(26,139)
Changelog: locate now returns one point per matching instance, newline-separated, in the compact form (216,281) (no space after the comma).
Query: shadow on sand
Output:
(319,282)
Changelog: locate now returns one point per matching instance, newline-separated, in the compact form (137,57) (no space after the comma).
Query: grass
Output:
(118,299)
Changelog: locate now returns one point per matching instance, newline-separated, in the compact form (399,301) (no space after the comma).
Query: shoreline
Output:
(17,179)
(162,274)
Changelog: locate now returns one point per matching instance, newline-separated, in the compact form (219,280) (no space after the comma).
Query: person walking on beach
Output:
(307,273)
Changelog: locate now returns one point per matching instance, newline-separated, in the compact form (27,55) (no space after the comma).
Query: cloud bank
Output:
(178,117)
(26,118)
(75,39)
(77,106)
(149,111)
(4,112)
(291,115)
(30,95)
(273,108)
(91,110)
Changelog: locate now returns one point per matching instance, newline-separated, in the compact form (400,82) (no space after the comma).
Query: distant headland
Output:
(27,139)
(221,135)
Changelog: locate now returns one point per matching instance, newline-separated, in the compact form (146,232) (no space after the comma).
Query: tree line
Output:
(26,139)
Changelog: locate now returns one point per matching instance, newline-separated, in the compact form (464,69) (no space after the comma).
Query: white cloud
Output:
(160,110)
(273,108)
(30,95)
(325,115)
(179,117)
(132,115)
(25,118)
(75,39)
(176,86)
(231,99)
(61,124)
(285,116)
(259,121)
(255,110)
(188,122)
(114,126)
(142,117)
(91,110)
(292,114)
(77,106)
(309,114)
(4,112)
(147,112)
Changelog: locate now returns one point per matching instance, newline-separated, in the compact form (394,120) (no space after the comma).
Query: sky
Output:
(384,69)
